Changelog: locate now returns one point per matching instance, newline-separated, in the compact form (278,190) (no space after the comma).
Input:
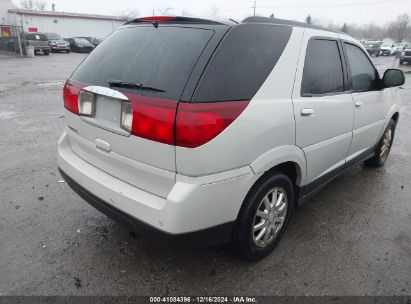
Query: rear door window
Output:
(323,72)
(160,58)
(242,62)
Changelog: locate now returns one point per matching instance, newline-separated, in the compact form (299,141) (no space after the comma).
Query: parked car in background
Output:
(405,56)
(373,48)
(387,49)
(38,41)
(57,43)
(211,132)
(94,41)
(80,45)
(97,41)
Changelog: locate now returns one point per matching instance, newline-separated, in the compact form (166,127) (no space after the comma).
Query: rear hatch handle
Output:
(102,145)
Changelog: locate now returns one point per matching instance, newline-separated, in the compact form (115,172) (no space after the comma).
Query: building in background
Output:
(63,23)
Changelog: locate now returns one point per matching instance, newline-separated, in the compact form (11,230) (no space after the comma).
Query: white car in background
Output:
(387,50)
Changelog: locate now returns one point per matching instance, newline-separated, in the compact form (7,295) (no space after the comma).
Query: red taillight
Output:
(167,121)
(71,92)
(153,118)
(198,123)
(157,18)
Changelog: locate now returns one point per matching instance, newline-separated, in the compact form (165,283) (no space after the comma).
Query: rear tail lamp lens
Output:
(70,96)
(153,118)
(126,116)
(86,103)
(71,93)
(198,123)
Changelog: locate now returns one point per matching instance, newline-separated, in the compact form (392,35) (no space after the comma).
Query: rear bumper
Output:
(206,237)
(60,48)
(197,211)
(42,48)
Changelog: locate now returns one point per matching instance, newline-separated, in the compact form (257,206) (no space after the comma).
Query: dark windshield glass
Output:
(41,37)
(81,40)
(160,58)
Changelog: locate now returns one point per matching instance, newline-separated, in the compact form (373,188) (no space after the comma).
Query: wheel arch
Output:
(289,160)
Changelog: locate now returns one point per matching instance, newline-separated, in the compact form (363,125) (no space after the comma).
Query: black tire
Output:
(379,159)
(46,53)
(68,51)
(244,237)
(401,62)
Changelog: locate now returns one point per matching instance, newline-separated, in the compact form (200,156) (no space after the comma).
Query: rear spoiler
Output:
(177,19)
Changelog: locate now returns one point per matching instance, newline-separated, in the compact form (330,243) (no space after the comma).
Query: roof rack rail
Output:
(287,22)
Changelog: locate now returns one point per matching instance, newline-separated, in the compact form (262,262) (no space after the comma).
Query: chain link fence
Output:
(12,39)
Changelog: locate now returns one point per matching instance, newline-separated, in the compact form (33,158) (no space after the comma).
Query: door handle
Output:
(306,112)
(358,104)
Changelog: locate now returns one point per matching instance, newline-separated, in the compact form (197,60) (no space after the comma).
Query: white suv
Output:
(200,132)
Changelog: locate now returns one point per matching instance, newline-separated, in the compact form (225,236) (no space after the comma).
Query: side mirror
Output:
(393,78)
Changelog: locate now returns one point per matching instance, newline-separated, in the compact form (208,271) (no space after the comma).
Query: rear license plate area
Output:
(108,110)
(107,114)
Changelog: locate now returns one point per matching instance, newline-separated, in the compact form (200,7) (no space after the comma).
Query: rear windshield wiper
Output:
(132,85)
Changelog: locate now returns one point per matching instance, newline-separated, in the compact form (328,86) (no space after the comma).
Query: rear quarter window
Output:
(242,62)
(161,58)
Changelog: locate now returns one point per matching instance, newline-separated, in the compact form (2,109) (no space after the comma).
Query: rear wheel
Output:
(383,148)
(264,216)
(46,53)
(68,51)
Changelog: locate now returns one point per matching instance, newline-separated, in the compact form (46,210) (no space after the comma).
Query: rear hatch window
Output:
(159,61)
(38,37)
(160,58)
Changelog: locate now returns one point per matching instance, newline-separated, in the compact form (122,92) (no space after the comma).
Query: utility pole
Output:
(255,6)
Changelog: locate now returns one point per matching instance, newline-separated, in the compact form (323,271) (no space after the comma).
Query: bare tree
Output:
(40,5)
(215,11)
(165,11)
(309,19)
(27,4)
(127,15)
(185,13)
(400,28)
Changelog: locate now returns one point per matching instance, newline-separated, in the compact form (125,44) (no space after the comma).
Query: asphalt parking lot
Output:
(352,238)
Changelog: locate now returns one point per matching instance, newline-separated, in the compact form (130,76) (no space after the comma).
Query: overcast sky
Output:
(337,11)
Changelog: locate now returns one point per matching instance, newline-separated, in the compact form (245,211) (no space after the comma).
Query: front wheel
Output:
(383,148)
(264,216)
(46,53)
